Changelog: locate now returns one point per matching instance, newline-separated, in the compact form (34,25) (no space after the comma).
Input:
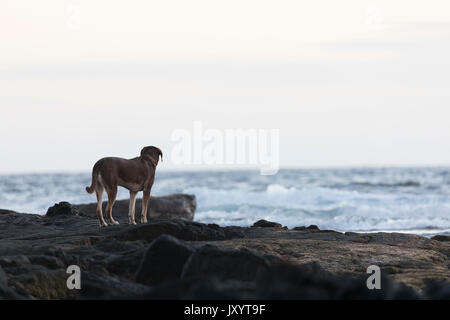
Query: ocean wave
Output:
(388,185)
(329,208)
(344,200)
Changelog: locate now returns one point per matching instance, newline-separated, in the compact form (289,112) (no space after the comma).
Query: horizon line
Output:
(196,168)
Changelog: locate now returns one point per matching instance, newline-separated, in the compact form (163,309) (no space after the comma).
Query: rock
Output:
(312,282)
(45,284)
(241,264)
(281,281)
(266,224)
(3,277)
(176,206)
(437,290)
(98,285)
(203,288)
(116,246)
(62,208)
(14,261)
(184,230)
(225,262)
(163,261)
(125,264)
(3,211)
(9,294)
(441,238)
(47,261)
(310,228)
(233,232)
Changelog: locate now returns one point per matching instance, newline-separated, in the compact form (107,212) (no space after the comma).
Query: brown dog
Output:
(135,174)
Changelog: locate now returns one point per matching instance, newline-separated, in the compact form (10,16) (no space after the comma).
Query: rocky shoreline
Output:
(173,257)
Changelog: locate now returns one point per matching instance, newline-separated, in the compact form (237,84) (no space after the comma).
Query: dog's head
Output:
(152,153)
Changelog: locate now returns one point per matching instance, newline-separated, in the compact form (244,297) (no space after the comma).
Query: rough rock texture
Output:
(176,206)
(266,224)
(163,261)
(174,258)
(441,238)
(62,208)
(225,264)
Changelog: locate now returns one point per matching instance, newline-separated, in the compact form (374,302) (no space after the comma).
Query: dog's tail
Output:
(91,189)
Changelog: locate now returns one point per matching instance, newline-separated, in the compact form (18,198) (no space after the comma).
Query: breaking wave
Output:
(389,199)
(342,210)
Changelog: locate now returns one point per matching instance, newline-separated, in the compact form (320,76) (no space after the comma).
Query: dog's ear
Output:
(160,154)
(144,150)
(152,153)
(156,154)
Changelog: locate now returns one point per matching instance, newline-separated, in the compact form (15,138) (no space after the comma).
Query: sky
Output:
(346,83)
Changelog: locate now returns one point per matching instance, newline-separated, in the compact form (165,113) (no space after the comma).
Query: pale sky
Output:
(347,83)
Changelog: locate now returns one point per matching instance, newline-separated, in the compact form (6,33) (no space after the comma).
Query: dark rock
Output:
(227,262)
(9,294)
(3,277)
(112,245)
(282,281)
(233,232)
(98,285)
(314,268)
(310,228)
(441,238)
(266,224)
(223,264)
(47,261)
(184,230)
(62,209)
(125,264)
(18,264)
(3,211)
(202,287)
(14,261)
(176,206)
(312,282)
(45,284)
(437,290)
(163,261)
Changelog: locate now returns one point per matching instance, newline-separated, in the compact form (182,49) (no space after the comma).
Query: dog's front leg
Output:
(132,207)
(145,199)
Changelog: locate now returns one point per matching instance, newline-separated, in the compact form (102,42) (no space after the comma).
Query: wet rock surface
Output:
(172,258)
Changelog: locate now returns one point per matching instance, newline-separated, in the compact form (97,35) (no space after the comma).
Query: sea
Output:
(408,200)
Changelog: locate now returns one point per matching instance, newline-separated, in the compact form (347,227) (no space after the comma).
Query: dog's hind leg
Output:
(145,199)
(112,193)
(99,193)
(132,207)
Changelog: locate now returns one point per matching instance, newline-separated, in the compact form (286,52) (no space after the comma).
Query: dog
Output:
(137,174)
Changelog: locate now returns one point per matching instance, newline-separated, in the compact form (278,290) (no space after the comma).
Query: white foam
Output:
(325,197)
(329,208)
